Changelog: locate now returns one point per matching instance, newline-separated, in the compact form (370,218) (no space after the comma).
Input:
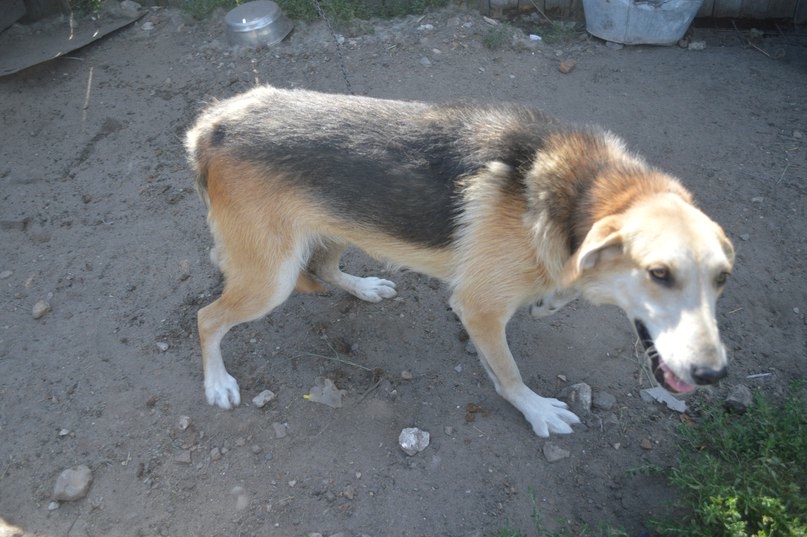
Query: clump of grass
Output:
(86,6)
(744,475)
(498,36)
(339,12)
(203,8)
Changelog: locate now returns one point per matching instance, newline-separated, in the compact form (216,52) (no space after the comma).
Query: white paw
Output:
(546,415)
(551,416)
(223,392)
(374,289)
(543,308)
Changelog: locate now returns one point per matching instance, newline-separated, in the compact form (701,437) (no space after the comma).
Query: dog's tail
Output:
(199,142)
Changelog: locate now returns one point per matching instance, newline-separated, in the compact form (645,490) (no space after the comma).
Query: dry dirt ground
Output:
(98,217)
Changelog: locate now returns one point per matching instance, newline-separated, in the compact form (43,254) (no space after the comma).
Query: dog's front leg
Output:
(487,330)
(553,301)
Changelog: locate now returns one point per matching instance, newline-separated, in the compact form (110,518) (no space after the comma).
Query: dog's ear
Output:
(603,241)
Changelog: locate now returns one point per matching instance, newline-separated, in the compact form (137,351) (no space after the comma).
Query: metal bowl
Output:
(257,23)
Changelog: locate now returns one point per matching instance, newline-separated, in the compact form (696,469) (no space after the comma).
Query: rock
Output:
(263,398)
(425,62)
(215,454)
(184,422)
(614,46)
(413,440)
(163,346)
(745,236)
(646,444)
(40,309)
(470,348)
(281,429)
(739,399)
(661,395)
(554,453)
(326,393)
(241,498)
(697,45)
(147,26)
(72,484)
(406,375)
(603,401)
(52,506)
(6,274)
(578,396)
(183,457)
(567,66)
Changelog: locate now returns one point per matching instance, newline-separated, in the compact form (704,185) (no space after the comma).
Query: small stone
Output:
(183,457)
(554,453)
(567,66)
(215,454)
(578,396)
(163,346)
(6,274)
(184,422)
(758,199)
(52,506)
(745,236)
(240,441)
(406,375)
(241,498)
(348,492)
(739,399)
(263,398)
(64,432)
(603,401)
(72,484)
(147,26)
(281,429)
(470,348)
(255,449)
(449,430)
(646,444)
(40,309)
(614,46)
(798,135)
(413,440)
(458,368)
(425,62)
(697,45)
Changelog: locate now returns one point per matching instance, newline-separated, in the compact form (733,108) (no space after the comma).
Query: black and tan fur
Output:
(507,205)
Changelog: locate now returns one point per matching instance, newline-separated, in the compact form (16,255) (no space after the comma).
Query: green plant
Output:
(86,6)
(202,8)
(744,475)
(497,37)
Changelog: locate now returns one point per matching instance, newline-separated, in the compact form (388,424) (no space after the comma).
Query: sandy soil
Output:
(98,218)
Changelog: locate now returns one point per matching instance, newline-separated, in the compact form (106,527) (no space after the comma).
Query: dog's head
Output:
(664,263)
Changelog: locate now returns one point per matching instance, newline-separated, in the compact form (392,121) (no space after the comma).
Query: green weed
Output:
(744,475)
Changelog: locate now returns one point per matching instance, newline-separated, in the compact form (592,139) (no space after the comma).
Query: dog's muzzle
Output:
(665,376)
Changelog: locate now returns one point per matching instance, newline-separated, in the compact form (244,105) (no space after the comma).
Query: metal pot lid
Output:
(252,15)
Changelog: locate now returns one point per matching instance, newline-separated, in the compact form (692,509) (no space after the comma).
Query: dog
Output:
(509,206)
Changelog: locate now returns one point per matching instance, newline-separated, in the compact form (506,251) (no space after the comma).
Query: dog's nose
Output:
(706,375)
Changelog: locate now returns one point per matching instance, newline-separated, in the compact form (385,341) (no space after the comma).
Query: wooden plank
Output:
(707,8)
(727,8)
(801,12)
(754,9)
(780,9)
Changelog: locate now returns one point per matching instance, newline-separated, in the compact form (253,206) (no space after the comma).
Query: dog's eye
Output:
(721,278)
(661,275)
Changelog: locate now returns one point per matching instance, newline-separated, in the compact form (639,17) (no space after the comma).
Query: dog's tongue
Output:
(674,383)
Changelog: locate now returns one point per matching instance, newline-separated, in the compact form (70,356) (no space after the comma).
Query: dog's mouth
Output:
(661,371)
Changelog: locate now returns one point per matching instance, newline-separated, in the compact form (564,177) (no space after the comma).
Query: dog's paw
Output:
(374,289)
(544,308)
(549,415)
(223,392)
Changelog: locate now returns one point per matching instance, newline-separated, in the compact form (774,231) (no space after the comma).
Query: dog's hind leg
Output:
(485,324)
(324,263)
